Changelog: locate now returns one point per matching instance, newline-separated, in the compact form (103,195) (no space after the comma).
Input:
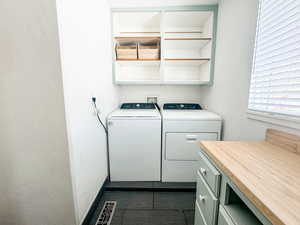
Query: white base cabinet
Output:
(219,201)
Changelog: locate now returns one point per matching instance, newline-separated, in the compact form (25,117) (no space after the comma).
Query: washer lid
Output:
(190,115)
(135,113)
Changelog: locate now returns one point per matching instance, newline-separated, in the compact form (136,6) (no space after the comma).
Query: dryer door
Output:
(185,146)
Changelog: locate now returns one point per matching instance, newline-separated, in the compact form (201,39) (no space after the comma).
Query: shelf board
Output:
(187,59)
(188,39)
(241,214)
(137,35)
(138,82)
(143,32)
(137,60)
(186,82)
(183,32)
(158,82)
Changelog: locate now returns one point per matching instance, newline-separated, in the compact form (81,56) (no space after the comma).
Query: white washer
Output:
(134,134)
(184,125)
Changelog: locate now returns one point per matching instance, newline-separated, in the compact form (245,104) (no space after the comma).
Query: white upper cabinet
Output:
(164,46)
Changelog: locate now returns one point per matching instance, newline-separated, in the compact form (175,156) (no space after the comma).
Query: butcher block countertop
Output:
(267,173)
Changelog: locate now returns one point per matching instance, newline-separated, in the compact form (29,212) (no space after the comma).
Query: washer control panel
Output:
(138,106)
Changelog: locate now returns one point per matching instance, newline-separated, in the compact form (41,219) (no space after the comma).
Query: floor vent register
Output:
(107,213)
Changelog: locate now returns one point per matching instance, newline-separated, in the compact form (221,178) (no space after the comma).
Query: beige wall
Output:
(35,183)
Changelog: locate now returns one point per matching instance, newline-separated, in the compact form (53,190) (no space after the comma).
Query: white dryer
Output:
(184,125)
(134,134)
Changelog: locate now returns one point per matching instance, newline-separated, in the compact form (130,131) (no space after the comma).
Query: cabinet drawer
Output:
(184,146)
(199,219)
(208,203)
(210,174)
(224,218)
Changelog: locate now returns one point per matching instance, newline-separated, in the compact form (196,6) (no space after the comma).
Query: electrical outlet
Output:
(151,99)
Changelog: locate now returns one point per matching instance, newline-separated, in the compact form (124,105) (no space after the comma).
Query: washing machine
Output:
(134,137)
(184,126)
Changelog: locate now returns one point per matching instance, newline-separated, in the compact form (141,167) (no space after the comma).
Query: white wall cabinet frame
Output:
(187,49)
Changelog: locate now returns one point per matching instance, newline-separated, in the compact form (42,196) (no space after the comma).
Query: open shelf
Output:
(187,71)
(191,22)
(136,22)
(187,49)
(137,71)
(241,214)
(238,210)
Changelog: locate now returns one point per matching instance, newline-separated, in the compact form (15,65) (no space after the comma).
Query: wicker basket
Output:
(126,50)
(149,50)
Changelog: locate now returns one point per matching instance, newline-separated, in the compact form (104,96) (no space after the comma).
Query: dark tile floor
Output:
(150,208)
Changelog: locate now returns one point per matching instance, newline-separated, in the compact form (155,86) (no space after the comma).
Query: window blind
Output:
(275,80)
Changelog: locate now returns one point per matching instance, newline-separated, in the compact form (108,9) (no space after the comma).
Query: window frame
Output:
(284,120)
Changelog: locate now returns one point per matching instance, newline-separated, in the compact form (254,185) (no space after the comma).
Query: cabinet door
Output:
(184,146)
(199,219)
(207,202)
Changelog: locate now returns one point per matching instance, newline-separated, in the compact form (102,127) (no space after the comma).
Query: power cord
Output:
(106,132)
(97,113)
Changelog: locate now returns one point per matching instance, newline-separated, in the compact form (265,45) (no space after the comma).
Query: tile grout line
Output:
(153,200)
(184,216)
(122,217)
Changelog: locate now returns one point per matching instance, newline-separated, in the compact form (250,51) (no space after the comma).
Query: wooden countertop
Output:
(266,172)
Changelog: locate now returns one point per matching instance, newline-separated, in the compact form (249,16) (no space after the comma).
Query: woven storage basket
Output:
(126,50)
(149,50)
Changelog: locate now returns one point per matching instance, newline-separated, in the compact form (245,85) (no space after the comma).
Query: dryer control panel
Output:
(182,106)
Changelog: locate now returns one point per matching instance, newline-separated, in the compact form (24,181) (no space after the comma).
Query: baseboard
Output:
(95,204)
(152,186)
(153,189)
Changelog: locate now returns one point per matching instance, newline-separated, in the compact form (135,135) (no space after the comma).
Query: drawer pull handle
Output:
(203,171)
(202,198)
(191,138)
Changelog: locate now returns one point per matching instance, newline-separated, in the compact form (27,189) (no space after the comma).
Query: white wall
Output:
(165,94)
(86,62)
(229,95)
(35,175)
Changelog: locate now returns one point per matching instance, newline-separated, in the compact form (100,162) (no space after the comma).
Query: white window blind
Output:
(275,80)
